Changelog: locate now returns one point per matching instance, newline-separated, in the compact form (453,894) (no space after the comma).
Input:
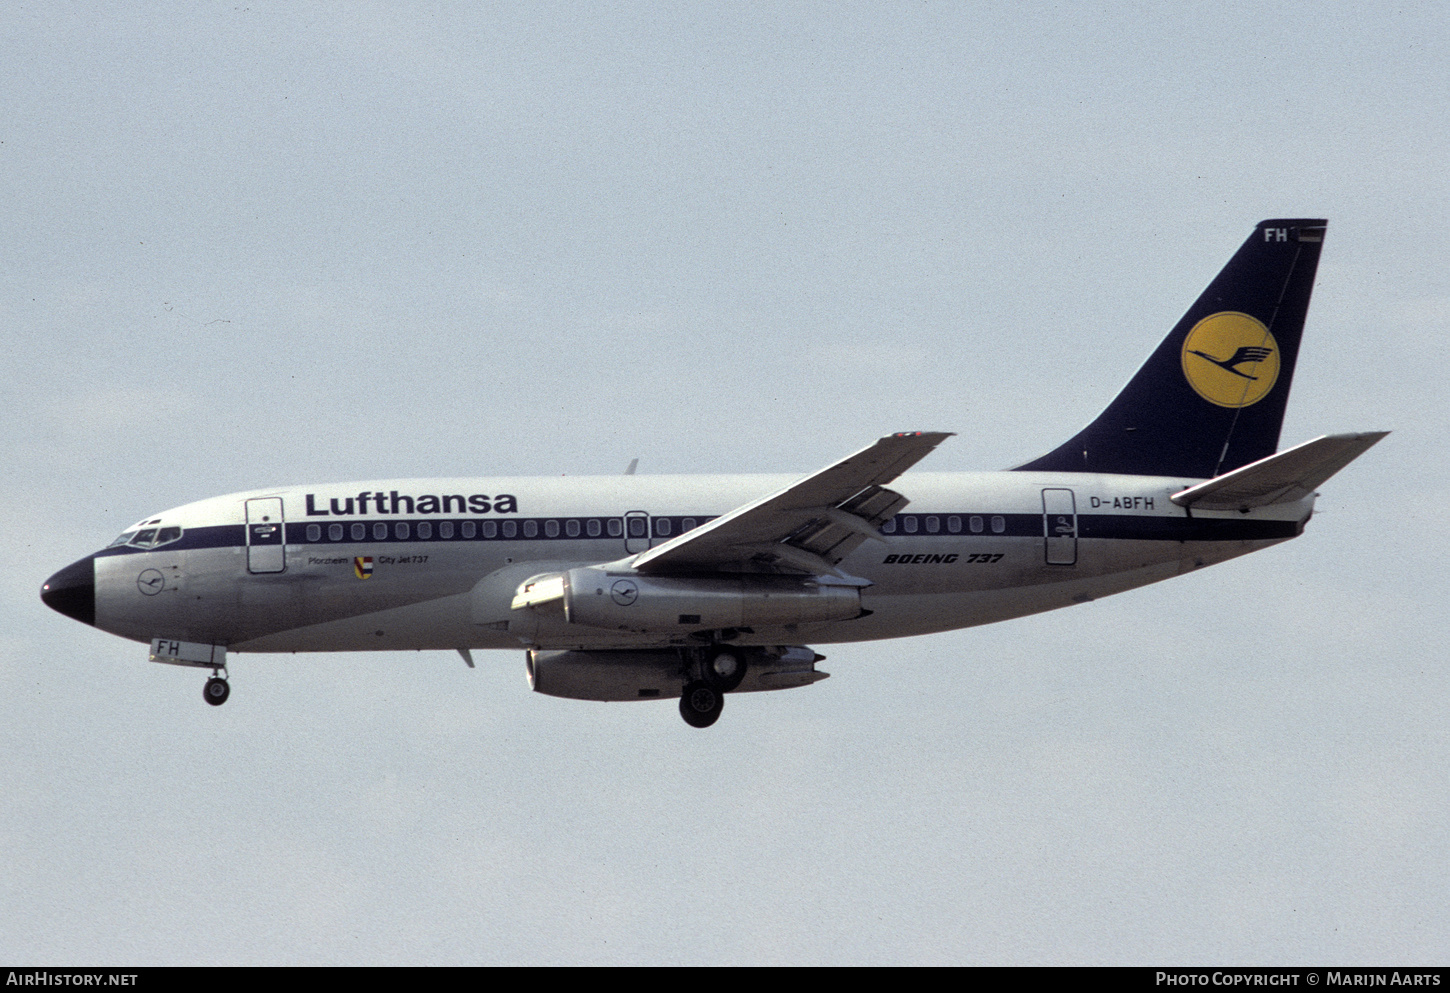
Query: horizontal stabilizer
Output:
(1286,477)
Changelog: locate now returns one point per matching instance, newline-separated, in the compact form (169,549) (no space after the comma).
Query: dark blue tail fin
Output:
(1211,397)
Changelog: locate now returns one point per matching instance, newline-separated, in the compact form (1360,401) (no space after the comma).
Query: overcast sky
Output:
(252,244)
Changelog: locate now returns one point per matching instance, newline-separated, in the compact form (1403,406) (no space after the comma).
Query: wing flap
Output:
(1284,477)
(826,515)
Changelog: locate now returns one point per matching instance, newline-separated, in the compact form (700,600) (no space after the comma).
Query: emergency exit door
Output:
(1059,526)
(636,532)
(266,536)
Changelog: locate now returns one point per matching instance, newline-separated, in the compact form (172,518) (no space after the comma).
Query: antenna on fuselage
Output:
(633,465)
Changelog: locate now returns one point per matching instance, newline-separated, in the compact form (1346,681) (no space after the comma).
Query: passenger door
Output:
(266,536)
(1059,526)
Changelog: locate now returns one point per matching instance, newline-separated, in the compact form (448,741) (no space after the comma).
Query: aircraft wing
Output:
(810,525)
(1284,477)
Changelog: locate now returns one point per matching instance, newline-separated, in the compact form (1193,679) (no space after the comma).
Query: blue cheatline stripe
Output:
(903,526)
(1182,529)
(1123,526)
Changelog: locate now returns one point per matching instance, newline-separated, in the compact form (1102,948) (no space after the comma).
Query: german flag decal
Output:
(362,566)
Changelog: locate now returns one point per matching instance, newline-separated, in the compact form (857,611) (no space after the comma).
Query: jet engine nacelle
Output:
(632,602)
(621,675)
(655,674)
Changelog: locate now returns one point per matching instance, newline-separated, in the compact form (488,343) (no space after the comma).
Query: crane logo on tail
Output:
(1230,359)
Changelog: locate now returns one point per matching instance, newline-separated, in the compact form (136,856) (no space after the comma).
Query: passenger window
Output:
(976,525)
(909,522)
(490,529)
(954,525)
(445,529)
(999,525)
(615,528)
(592,527)
(688,524)
(380,531)
(425,531)
(889,527)
(314,532)
(531,529)
(571,528)
(551,529)
(510,528)
(334,532)
(933,525)
(662,527)
(470,529)
(359,532)
(636,527)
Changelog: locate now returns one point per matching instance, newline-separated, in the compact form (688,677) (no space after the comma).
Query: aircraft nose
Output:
(72,591)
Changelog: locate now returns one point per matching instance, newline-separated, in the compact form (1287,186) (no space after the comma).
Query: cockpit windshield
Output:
(147,538)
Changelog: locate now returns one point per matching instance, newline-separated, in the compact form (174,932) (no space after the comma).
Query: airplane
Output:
(646,587)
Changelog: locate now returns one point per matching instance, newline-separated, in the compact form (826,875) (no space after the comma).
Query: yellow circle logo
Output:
(1231,359)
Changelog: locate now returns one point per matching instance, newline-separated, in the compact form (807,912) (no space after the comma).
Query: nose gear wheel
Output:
(216,691)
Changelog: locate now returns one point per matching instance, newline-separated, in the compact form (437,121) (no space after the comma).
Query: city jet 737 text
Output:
(659,587)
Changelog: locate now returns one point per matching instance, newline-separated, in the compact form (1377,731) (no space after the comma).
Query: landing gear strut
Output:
(216,690)
(701,703)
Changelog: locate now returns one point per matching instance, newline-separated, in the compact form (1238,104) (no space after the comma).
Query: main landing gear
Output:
(721,670)
(216,690)
(701,703)
(724,669)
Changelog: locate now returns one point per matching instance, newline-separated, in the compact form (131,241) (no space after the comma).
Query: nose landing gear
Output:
(216,690)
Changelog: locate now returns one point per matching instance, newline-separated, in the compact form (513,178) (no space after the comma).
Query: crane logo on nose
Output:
(151,582)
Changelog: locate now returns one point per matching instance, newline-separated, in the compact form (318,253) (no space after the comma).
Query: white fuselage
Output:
(436,563)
